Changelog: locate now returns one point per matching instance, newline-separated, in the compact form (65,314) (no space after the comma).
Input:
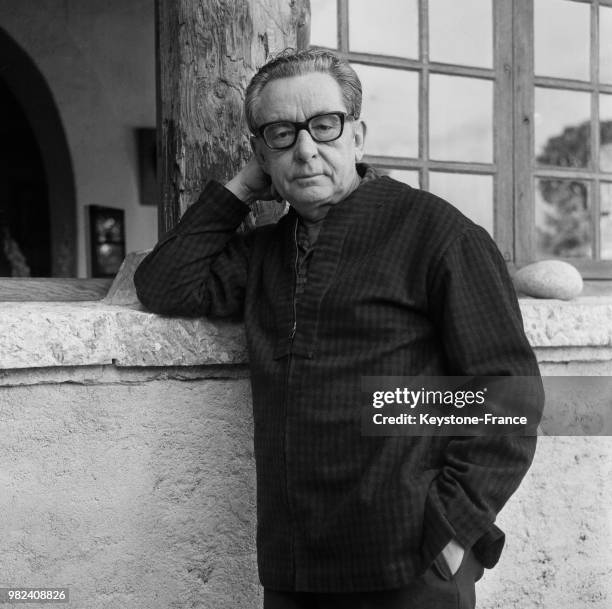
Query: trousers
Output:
(437,588)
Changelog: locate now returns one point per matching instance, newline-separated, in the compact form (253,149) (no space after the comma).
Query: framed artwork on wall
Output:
(106,240)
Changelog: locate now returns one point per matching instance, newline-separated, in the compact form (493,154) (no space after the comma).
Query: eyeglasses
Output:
(322,128)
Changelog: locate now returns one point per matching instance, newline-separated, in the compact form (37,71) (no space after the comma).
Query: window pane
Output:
(605,132)
(461,119)
(562,129)
(605,221)
(390,110)
(324,23)
(562,35)
(410,177)
(386,27)
(461,32)
(470,194)
(563,219)
(605,46)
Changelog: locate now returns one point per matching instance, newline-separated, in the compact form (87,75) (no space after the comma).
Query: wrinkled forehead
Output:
(297,98)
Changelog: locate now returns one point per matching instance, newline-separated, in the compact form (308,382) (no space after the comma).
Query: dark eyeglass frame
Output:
(343,116)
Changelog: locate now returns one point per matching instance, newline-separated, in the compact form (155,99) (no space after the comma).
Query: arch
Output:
(31,90)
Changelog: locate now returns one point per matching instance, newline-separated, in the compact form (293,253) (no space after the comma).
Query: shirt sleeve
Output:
(199,267)
(474,306)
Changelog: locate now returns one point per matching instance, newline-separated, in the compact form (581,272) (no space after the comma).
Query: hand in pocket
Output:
(453,554)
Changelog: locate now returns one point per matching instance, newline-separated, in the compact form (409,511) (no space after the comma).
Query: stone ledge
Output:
(582,322)
(51,334)
(56,334)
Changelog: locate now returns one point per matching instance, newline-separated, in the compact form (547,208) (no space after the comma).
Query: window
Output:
(503,107)
(572,128)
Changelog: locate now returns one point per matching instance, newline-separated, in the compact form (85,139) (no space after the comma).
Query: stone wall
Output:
(128,463)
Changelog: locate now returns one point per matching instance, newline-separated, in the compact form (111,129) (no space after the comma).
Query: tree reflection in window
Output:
(565,225)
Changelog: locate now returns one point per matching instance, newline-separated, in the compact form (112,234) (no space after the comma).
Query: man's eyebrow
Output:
(290,120)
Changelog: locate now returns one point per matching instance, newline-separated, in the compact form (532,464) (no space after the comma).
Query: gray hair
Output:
(290,63)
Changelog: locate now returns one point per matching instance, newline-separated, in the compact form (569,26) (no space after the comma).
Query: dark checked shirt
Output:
(399,283)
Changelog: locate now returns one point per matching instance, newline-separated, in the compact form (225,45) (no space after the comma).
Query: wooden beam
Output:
(524,219)
(503,127)
(207,51)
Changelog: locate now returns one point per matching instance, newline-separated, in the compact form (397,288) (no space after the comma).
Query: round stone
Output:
(549,279)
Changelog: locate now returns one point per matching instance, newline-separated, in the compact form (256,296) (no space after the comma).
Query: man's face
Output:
(310,175)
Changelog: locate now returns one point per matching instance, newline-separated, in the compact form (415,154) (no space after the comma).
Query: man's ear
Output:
(359,135)
(257,146)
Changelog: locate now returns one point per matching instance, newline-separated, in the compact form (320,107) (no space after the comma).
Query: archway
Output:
(26,92)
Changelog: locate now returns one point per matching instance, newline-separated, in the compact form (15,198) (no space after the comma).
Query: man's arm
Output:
(199,267)
(474,306)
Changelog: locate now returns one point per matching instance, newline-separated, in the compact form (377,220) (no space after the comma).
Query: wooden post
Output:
(207,51)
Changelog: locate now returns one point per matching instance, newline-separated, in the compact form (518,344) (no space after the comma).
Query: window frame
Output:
(526,168)
(513,167)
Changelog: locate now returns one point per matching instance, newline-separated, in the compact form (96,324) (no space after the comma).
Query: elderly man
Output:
(363,276)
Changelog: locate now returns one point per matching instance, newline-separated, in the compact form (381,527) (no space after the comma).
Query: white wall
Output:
(98,57)
(132,492)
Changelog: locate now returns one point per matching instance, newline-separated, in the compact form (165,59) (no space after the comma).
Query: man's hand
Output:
(453,554)
(252,184)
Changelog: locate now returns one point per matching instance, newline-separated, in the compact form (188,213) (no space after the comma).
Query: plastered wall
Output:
(136,487)
(132,492)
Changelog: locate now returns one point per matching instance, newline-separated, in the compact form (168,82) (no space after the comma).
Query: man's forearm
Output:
(199,267)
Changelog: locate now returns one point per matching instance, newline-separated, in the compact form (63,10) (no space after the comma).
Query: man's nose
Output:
(305,146)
